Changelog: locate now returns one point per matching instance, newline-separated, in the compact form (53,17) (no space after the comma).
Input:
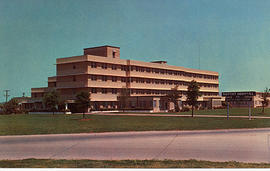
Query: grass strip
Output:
(22,124)
(48,163)
(232,111)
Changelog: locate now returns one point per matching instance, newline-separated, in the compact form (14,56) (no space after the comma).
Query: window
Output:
(74,66)
(123,68)
(74,78)
(113,54)
(114,79)
(93,90)
(104,66)
(154,103)
(93,77)
(114,67)
(123,79)
(140,80)
(114,91)
(104,78)
(104,91)
(93,64)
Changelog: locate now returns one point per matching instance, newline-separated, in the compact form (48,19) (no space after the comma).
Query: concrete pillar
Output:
(66,106)
(156,104)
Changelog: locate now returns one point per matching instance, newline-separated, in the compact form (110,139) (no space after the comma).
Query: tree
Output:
(51,100)
(11,106)
(173,96)
(265,101)
(123,97)
(193,94)
(1,106)
(83,101)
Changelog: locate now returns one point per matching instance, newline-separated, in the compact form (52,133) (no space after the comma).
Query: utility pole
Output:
(6,94)
(227,110)
(199,56)
(249,111)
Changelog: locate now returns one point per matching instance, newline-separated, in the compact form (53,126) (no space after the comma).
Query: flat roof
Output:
(102,46)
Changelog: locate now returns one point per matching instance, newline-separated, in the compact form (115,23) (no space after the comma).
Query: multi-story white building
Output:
(101,72)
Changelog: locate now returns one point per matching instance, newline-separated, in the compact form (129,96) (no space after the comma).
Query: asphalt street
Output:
(245,145)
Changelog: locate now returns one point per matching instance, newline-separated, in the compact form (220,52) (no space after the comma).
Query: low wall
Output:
(105,111)
(49,113)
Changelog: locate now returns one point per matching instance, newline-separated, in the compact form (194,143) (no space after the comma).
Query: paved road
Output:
(170,115)
(248,145)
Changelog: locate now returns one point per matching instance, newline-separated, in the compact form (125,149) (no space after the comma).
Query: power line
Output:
(6,94)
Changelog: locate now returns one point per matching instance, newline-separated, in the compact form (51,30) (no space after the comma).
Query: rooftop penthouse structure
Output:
(101,72)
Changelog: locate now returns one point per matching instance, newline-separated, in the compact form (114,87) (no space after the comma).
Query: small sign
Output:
(244,93)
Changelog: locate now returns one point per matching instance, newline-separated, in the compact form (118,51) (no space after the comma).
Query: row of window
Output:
(132,91)
(97,105)
(150,70)
(146,80)
(143,91)
(131,104)
(240,102)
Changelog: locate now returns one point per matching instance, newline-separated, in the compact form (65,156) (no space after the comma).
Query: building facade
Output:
(101,72)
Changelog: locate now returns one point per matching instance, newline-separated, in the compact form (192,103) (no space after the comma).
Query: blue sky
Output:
(233,36)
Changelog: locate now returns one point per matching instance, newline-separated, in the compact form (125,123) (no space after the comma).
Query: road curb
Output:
(179,132)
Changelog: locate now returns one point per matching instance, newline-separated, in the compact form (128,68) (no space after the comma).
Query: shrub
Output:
(10,107)
(185,109)
(220,107)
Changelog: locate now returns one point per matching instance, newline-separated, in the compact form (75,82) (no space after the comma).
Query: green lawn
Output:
(232,112)
(46,163)
(23,124)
